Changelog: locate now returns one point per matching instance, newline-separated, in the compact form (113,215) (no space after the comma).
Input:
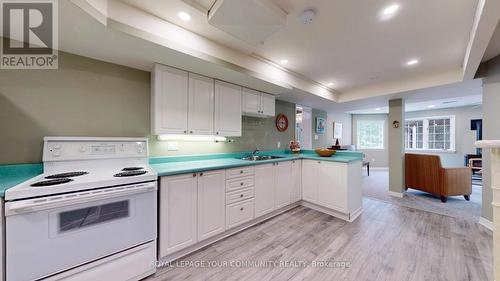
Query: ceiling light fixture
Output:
(378,108)
(431,106)
(391,9)
(411,62)
(184,16)
(284,61)
(388,12)
(330,84)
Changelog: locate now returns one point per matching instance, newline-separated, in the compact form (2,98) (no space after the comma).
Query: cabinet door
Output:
(227,109)
(251,102)
(268,105)
(310,180)
(264,189)
(169,100)
(211,204)
(283,184)
(201,105)
(177,213)
(296,180)
(330,183)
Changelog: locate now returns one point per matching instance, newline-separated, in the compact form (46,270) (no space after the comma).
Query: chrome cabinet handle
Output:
(241,209)
(241,195)
(241,172)
(190,132)
(241,183)
(194,175)
(185,131)
(201,174)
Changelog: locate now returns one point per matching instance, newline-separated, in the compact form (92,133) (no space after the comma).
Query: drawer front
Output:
(239,172)
(239,195)
(239,213)
(239,183)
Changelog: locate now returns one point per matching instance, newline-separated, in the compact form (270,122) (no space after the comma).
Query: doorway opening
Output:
(303,126)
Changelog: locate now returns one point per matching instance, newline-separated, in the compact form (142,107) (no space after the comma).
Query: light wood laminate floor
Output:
(387,242)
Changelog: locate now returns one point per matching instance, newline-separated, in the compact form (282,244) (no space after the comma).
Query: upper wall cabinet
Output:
(182,102)
(227,109)
(258,104)
(169,100)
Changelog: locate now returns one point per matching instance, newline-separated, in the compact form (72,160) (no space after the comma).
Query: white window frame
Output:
(425,138)
(358,143)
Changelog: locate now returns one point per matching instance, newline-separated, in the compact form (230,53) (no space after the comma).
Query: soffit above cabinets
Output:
(250,21)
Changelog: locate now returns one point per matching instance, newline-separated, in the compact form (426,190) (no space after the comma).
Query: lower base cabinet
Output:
(264,189)
(192,208)
(333,185)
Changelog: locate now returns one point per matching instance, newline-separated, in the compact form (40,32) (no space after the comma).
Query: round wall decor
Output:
(281,122)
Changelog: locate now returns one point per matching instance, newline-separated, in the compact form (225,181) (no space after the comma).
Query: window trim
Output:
(425,138)
(358,145)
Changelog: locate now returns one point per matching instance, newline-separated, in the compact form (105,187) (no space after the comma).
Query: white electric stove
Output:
(92,214)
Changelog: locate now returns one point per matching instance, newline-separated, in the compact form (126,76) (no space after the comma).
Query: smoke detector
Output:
(307,16)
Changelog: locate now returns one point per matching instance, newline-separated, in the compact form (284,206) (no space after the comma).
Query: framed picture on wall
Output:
(320,125)
(337,130)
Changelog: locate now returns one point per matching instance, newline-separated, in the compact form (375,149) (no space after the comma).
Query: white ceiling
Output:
(454,95)
(493,49)
(347,43)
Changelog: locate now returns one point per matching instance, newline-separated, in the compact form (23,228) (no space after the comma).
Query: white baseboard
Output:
(396,194)
(379,168)
(486,223)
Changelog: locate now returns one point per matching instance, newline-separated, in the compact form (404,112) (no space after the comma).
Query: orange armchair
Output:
(425,173)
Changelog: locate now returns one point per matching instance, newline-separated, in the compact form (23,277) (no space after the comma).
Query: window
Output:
(370,134)
(430,133)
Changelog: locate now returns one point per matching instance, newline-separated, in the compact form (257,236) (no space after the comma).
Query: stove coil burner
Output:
(66,175)
(51,182)
(129,174)
(132,168)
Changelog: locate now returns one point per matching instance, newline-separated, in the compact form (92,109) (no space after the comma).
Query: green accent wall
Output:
(87,97)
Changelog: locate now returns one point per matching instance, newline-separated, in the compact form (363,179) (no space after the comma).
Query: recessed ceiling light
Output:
(388,12)
(411,62)
(391,9)
(431,106)
(184,16)
(330,84)
(284,61)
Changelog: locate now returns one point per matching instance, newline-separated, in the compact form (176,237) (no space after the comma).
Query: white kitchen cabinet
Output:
(296,177)
(227,109)
(178,213)
(211,204)
(169,100)
(258,104)
(283,184)
(332,187)
(201,105)
(264,189)
(310,180)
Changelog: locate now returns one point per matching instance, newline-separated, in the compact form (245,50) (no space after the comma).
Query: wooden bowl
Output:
(325,152)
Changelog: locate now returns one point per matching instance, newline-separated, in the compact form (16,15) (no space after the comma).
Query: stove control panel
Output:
(60,149)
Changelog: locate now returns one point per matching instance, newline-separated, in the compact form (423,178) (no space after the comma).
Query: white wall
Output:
(464,137)
(346,120)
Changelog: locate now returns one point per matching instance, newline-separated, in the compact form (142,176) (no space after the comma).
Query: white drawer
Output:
(239,172)
(239,213)
(239,195)
(239,183)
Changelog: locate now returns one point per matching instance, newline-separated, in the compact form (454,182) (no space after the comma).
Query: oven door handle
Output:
(57,201)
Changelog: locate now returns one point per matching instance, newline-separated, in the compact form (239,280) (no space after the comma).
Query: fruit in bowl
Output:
(323,152)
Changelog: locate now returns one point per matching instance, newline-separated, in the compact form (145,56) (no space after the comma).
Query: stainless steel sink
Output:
(260,157)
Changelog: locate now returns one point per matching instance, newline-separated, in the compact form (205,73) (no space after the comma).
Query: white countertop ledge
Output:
(488,144)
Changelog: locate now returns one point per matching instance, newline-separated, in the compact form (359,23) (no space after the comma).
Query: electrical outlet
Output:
(316,137)
(278,144)
(172,146)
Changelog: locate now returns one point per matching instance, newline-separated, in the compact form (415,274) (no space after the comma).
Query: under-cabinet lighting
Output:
(192,138)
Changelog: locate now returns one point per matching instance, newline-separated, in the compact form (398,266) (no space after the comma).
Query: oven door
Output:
(51,234)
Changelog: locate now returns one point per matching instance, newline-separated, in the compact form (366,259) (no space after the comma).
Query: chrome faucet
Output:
(255,152)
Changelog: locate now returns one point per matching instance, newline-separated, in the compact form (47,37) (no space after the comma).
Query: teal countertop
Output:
(12,175)
(167,166)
